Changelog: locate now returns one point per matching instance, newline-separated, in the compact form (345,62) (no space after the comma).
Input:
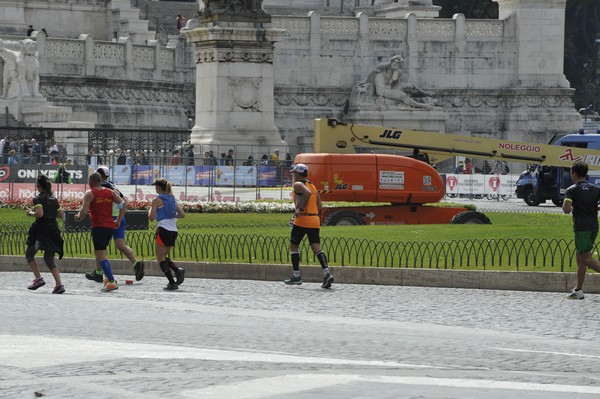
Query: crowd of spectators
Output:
(15,151)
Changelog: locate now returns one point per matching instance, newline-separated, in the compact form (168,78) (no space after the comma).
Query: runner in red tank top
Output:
(99,201)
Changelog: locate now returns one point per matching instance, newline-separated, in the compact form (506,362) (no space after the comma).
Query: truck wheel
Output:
(557,201)
(530,198)
(344,218)
(470,217)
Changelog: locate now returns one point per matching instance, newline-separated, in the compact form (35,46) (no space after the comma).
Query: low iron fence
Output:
(482,254)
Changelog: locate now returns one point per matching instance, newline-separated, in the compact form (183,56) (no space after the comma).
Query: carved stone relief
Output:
(20,71)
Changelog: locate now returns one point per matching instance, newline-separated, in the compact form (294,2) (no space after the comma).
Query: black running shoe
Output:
(327,280)
(138,267)
(179,275)
(94,276)
(171,287)
(293,280)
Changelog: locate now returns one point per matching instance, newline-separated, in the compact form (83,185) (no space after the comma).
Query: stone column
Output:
(234,81)
(540,40)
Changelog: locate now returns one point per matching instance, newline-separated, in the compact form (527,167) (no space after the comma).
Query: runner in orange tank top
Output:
(99,201)
(307,204)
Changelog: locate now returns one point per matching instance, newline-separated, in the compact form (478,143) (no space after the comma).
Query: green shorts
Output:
(584,241)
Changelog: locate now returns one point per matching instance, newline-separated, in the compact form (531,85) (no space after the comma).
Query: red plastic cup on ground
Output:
(128,282)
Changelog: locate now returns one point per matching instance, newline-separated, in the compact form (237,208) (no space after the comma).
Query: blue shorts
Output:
(120,232)
(101,237)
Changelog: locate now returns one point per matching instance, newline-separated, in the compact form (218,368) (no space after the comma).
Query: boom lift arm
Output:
(333,136)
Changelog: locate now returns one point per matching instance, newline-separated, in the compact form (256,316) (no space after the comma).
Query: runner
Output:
(119,235)
(99,201)
(306,222)
(45,234)
(166,211)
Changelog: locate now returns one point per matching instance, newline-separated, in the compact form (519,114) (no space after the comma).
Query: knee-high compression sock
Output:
(164,266)
(296,263)
(107,269)
(322,260)
(171,264)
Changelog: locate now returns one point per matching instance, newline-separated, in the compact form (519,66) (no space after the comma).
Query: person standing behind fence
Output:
(180,22)
(166,211)
(99,202)
(307,203)
(582,199)
(44,234)
(119,233)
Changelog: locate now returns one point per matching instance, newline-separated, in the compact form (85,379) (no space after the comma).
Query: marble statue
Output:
(20,74)
(382,86)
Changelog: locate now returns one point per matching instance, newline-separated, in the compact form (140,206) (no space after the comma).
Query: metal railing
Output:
(497,254)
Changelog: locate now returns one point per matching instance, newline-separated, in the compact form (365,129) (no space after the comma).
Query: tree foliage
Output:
(582,41)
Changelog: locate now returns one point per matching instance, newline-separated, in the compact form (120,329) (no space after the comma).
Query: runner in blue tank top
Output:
(165,210)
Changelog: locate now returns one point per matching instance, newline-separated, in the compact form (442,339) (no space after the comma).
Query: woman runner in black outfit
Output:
(44,234)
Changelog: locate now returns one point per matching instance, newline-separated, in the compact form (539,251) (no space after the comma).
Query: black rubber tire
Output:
(470,217)
(558,202)
(343,218)
(530,198)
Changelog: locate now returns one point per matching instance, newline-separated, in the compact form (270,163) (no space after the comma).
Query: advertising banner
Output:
(121,174)
(142,174)
(176,174)
(267,176)
(29,173)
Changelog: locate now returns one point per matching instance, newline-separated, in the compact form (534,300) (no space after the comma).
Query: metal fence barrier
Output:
(498,254)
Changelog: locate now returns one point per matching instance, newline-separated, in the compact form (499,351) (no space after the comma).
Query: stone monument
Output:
(234,75)
(384,97)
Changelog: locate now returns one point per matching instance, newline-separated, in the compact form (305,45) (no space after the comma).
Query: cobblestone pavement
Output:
(254,339)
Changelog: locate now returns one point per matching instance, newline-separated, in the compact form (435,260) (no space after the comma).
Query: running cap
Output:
(300,168)
(104,171)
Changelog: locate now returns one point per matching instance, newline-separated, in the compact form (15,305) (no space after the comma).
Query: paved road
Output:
(252,339)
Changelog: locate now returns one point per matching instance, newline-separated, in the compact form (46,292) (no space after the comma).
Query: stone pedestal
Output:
(234,84)
(433,120)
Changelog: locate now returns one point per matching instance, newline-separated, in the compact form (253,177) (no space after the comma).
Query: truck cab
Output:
(543,182)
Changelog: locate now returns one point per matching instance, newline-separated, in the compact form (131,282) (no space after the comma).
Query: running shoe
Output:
(327,280)
(59,289)
(293,280)
(110,286)
(179,275)
(95,275)
(138,267)
(37,283)
(171,287)
(576,295)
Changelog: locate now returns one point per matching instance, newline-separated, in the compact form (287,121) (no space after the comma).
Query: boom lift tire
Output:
(344,218)
(530,198)
(558,202)
(470,217)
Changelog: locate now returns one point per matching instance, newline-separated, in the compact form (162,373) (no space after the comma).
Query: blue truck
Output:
(540,183)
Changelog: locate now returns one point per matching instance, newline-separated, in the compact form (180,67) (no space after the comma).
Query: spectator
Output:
(189,153)
(500,168)
(460,168)
(468,167)
(30,30)
(275,157)
(12,158)
(180,22)
(249,161)
(288,160)
(264,160)
(222,161)
(130,159)
(62,176)
(52,148)
(176,158)
(3,143)
(36,152)
(121,157)
(143,160)
(213,159)
(229,158)
(92,158)
(207,160)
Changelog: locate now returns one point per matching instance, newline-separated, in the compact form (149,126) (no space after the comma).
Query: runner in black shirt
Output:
(582,198)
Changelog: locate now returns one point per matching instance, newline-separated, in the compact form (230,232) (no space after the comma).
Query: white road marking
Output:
(547,352)
(40,351)
(287,384)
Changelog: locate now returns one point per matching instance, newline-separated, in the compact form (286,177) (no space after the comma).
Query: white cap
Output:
(103,170)
(300,168)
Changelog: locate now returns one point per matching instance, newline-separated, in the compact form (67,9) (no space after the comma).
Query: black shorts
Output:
(101,237)
(298,234)
(165,237)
